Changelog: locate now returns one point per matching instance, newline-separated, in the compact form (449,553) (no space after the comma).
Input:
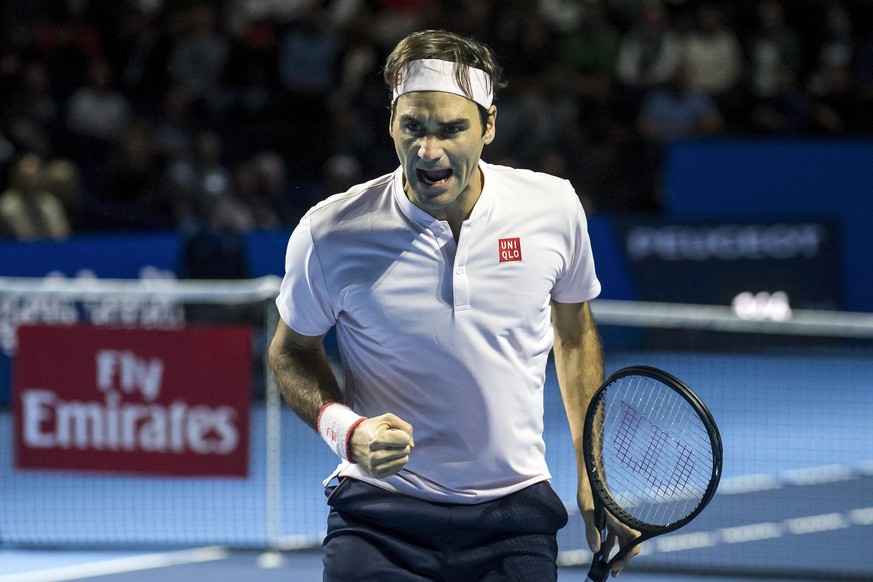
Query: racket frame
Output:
(603,501)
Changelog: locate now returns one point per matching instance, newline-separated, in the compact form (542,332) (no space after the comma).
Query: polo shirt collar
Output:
(413,212)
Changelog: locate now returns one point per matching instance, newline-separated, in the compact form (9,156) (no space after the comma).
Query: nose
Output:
(430,148)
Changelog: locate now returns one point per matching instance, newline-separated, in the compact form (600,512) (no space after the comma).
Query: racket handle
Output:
(599,571)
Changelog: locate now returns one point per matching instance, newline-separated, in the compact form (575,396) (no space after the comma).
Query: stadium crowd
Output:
(233,115)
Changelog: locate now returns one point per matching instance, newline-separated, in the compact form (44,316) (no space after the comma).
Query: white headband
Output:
(437,75)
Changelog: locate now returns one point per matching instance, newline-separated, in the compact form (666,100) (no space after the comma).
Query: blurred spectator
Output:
(131,195)
(713,58)
(834,44)
(836,104)
(772,48)
(198,56)
(341,172)
(140,53)
(262,184)
(27,210)
(651,49)
(31,111)
(678,110)
(62,179)
(249,77)
(173,127)
(786,110)
(96,112)
(675,110)
(830,84)
(589,52)
(66,43)
(397,18)
(291,93)
(533,112)
(308,62)
(358,64)
(202,186)
(587,57)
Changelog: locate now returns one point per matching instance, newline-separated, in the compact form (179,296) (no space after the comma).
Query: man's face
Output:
(438,138)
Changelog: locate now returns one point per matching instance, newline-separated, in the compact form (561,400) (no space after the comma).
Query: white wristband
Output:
(336,424)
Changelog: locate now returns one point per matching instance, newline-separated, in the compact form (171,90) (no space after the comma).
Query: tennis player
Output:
(448,281)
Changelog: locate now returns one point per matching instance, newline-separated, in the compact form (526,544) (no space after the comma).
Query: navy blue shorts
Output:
(379,536)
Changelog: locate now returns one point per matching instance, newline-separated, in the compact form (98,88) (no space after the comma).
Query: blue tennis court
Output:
(796,496)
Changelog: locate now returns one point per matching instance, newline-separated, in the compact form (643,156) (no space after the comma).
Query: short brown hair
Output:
(446,46)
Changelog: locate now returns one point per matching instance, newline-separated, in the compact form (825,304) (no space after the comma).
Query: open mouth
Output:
(433,177)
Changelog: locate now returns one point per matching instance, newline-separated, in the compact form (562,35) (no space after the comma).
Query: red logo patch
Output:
(509,249)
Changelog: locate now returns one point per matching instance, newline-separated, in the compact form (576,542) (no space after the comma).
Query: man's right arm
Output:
(302,373)
(381,445)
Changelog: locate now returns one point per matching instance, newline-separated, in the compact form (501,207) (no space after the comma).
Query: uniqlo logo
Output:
(509,249)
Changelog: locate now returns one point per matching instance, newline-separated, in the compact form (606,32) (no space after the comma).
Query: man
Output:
(448,281)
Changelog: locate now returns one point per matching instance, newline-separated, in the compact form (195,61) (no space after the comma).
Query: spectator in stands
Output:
(713,58)
(178,66)
(27,210)
(533,114)
(649,54)
(198,56)
(835,101)
(830,84)
(97,113)
(786,110)
(675,110)
(397,18)
(31,110)
(131,194)
(63,180)
(308,63)
(772,47)
(173,126)
(202,186)
(678,110)
(589,53)
(834,44)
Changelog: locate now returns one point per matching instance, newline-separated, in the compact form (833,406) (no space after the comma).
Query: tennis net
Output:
(142,414)
(791,392)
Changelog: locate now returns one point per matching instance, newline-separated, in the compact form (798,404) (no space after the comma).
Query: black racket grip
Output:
(599,571)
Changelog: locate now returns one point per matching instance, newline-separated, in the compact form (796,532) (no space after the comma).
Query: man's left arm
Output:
(579,365)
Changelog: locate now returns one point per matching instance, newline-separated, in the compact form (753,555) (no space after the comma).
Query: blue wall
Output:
(783,180)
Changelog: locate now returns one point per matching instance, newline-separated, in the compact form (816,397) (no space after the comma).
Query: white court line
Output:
(677,542)
(119,565)
(804,477)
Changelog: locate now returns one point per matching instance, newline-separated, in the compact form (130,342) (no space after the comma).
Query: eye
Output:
(412,126)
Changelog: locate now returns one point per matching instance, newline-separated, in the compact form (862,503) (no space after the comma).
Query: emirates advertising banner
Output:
(146,401)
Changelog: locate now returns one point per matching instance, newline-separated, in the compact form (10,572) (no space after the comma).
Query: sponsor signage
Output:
(784,264)
(148,401)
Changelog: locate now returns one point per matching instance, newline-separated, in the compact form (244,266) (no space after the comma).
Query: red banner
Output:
(161,402)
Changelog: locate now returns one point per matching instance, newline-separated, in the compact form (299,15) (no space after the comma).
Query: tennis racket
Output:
(652,453)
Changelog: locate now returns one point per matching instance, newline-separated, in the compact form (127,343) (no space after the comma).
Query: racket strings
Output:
(654,451)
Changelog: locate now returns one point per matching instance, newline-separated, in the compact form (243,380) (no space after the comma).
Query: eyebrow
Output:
(458,121)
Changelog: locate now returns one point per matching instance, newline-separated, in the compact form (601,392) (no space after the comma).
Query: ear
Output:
(490,126)
(391,119)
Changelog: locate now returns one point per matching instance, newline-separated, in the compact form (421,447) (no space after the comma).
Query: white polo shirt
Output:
(452,338)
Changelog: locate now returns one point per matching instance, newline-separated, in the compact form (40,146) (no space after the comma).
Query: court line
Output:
(795,477)
(677,542)
(120,565)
